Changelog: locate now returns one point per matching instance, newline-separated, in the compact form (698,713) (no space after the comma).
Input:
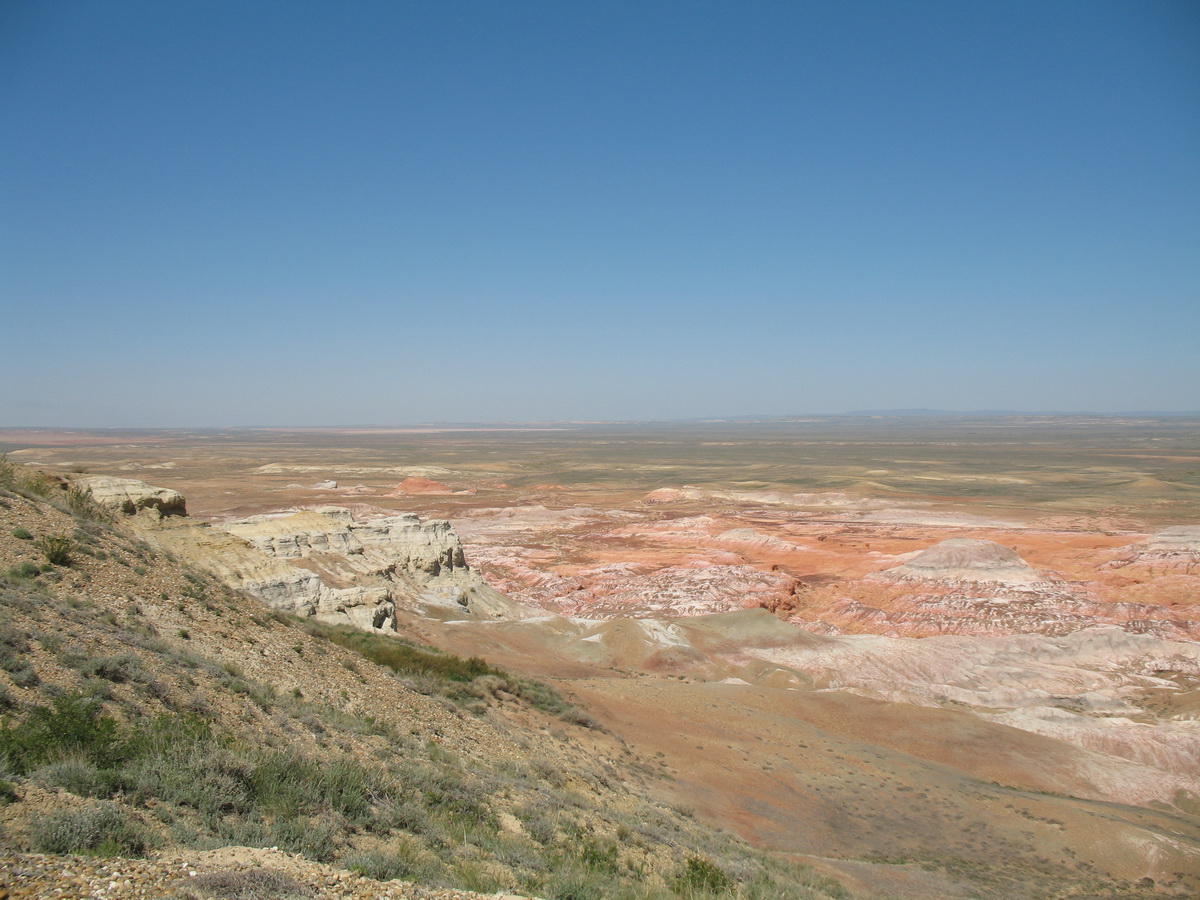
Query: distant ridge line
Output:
(567,424)
(1019,412)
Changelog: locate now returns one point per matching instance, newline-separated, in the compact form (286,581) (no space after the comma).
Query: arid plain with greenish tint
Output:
(767,610)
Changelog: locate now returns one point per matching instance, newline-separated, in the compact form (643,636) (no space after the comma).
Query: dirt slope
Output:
(998,811)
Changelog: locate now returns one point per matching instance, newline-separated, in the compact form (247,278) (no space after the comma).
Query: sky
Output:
(334,213)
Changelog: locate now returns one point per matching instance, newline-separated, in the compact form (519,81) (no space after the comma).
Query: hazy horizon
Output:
(552,424)
(424,212)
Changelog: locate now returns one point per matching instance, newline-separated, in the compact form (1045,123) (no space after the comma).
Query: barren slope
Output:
(778,734)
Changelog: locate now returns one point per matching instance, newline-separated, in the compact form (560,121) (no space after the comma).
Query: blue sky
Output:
(230,213)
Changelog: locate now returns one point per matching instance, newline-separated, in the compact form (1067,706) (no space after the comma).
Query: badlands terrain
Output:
(925,657)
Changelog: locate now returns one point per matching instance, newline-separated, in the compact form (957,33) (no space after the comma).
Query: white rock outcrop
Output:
(1179,541)
(321,562)
(1177,547)
(966,559)
(129,496)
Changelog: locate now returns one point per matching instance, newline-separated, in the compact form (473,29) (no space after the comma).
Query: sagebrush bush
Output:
(382,865)
(104,829)
(25,676)
(314,837)
(13,641)
(576,883)
(118,669)
(25,570)
(255,884)
(73,773)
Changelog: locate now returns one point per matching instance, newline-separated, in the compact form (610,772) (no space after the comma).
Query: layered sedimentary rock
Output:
(331,532)
(324,562)
(1179,544)
(128,495)
(966,559)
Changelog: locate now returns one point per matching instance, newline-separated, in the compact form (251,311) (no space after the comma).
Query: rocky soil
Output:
(224,873)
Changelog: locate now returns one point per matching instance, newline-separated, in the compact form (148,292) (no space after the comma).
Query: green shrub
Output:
(22,534)
(75,774)
(73,725)
(540,695)
(254,884)
(25,570)
(208,778)
(14,647)
(51,642)
(314,837)
(289,784)
(13,641)
(436,671)
(81,504)
(702,874)
(56,548)
(25,676)
(25,481)
(403,656)
(117,669)
(576,883)
(598,856)
(102,830)
(385,865)
(377,865)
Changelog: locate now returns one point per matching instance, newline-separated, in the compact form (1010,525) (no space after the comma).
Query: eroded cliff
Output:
(321,562)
